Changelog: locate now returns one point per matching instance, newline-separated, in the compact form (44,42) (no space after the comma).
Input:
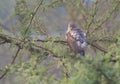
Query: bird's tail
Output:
(82,52)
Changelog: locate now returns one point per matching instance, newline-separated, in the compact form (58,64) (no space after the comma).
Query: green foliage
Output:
(22,11)
(82,70)
(49,59)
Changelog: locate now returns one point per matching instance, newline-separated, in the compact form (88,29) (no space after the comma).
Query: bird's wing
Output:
(71,42)
(79,36)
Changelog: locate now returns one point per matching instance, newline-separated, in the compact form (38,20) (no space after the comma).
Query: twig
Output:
(49,51)
(36,9)
(16,55)
(3,75)
(106,40)
(98,47)
(92,43)
(67,74)
(12,62)
(56,41)
(52,3)
(108,78)
(106,18)
(9,40)
(93,15)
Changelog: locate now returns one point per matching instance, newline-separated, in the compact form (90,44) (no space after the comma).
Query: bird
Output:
(76,39)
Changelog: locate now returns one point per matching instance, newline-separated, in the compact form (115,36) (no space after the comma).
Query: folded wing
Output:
(76,39)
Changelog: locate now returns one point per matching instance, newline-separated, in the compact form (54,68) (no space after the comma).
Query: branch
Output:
(109,39)
(97,46)
(12,62)
(17,42)
(89,42)
(3,75)
(67,74)
(10,40)
(106,18)
(93,15)
(107,77)
(47,50)
(51,4)
(16,55)
(33,15)
(6,38)
(57,41)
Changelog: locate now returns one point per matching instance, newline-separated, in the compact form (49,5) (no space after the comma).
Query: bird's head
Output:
(71,25)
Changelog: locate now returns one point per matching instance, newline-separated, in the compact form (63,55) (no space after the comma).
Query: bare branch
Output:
(16,55)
